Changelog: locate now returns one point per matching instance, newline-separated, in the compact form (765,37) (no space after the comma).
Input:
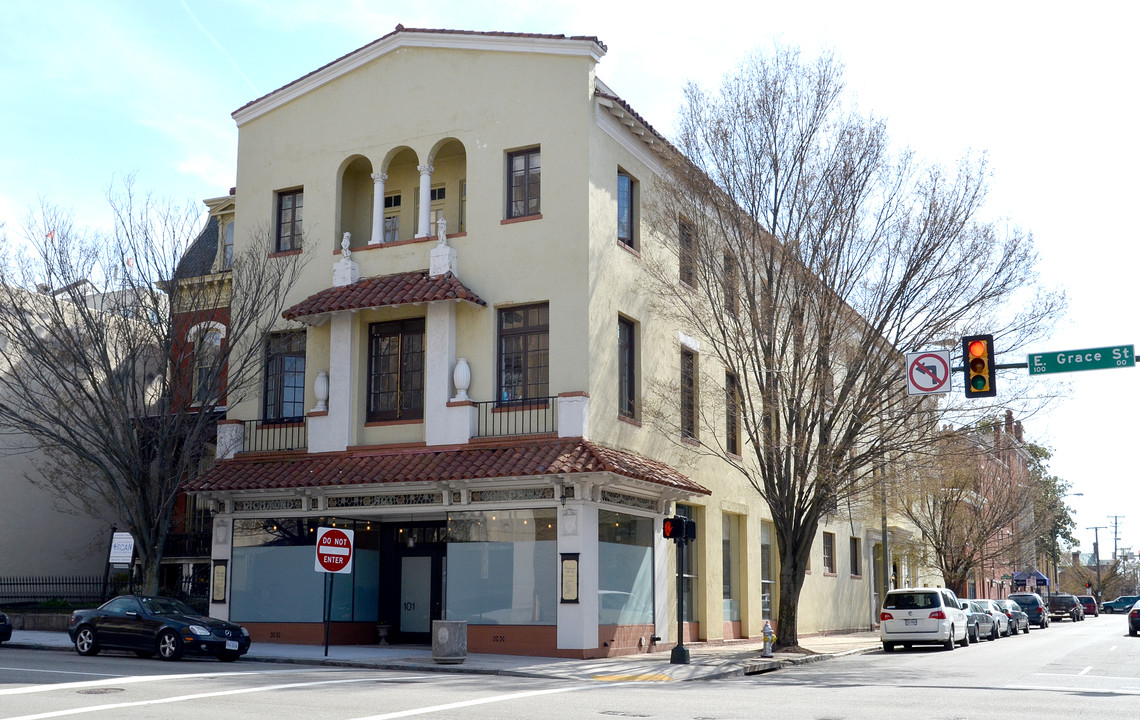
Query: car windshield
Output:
(1013,607)
(978,607)
(1025,601)
(911,601)
(166,606)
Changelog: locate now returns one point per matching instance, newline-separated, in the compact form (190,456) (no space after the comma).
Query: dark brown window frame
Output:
(289,233)
(732,413)
(531,187)
(828,567)
(409,369)
(688,394)
(627,368)
(626,212)
(526,331)
(686,252)
(278,347)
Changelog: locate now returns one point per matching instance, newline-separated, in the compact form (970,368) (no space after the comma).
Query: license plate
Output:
(911,622)
(232,644)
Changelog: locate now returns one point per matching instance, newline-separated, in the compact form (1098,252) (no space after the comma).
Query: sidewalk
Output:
(706,661)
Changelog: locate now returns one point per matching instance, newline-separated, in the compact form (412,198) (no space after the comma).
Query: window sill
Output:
(319,413)
(629,421)
(830,574)
(521,218)
(856,577)
(629,249)
(385,423)
(285,253)
(690,441)
(734,456)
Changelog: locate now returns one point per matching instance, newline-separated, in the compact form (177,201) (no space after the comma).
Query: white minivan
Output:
(922,616)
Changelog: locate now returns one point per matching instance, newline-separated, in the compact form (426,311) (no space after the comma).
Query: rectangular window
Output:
(228,250)
(524,352)
(463,206)
(731,414)
(687,252)
(767,575)
(730,577)
(625,209)
(438,195)
(688,394)
(625,569)
(731,287)
(396,370)
(856,555)
(391,218)
(829,552)
(524,174)
(207,366)
(285,376)
(290,211)
(626,379)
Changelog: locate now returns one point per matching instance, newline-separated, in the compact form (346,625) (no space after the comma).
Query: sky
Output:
(91,92)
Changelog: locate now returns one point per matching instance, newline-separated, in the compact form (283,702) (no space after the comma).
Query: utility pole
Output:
(1096,556)
(1115,532)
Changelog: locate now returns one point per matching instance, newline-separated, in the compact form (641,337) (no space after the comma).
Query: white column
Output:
(333,432)
(424,227)
(578,533)
(443,424)
(378,180)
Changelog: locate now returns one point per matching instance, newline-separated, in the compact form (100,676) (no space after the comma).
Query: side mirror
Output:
(965,606)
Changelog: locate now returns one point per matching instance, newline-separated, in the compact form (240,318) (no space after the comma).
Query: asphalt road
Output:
(1082,670)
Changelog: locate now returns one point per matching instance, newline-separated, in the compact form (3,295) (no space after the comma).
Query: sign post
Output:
(334,556)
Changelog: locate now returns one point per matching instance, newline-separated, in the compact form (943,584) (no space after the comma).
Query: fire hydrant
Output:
(769,639)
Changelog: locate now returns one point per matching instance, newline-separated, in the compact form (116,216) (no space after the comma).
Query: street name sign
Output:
(334,550)
(1088,359)
(928,372)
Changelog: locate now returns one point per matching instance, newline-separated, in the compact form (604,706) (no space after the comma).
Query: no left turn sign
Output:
(928,372)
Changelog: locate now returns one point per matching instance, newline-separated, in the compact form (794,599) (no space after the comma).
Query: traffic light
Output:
(674,528)
(978,357)
(1088,585)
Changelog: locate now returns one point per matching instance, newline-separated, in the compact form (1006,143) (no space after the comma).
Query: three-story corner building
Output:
(461,373)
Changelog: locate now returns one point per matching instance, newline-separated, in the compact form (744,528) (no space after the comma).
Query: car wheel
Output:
(1014,629)
(1132,631)
(974,634)
(949,644)
(169,645)
(994,632)
(228,656)
(1108,609)
(85,643)
(1008,630)
(887,647)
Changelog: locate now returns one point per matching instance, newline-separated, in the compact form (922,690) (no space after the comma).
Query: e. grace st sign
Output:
(334,550)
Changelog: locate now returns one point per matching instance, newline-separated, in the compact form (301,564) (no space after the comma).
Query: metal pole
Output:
(107,567)
(680,654)
(328,610)
(1096,556)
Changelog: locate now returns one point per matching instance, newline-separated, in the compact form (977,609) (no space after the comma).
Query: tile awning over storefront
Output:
(378,467)
(383,291)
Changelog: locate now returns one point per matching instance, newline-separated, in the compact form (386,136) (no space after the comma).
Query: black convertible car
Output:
(155,625)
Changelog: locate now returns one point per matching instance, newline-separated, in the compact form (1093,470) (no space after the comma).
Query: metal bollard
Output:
(769,639)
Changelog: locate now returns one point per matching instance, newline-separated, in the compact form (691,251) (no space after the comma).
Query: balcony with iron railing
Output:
(275,435)
(533,416)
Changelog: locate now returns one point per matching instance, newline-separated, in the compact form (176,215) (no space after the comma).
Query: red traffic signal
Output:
(978,357)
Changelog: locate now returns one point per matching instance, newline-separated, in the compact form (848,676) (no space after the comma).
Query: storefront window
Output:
(767,576)
(273,579)
(502,567)
(730,549)
(625,569)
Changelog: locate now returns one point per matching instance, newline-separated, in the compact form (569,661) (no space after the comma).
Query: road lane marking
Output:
(196,696)
(482,701)
(132,679)
(1082,672)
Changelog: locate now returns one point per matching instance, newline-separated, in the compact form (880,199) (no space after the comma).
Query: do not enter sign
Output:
(334,550)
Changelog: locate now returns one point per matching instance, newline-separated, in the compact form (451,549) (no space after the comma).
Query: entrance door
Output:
(414,561)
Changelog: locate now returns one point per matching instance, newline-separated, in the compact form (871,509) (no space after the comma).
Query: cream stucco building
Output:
(461,373)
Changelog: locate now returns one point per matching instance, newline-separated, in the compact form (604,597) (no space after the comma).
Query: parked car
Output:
(155,625)
(5,628)
(1088,604)
(1001,620)
(1134,620)
(1033,606)
(1018,620)
(922,616)
(981,623)
(1121,604)
(1063,605)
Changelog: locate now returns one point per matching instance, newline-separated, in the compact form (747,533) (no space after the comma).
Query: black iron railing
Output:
(275,435)
(61,590)
(533,416)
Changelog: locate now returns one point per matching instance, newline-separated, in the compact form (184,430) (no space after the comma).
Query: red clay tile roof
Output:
(386,290)
(522,458)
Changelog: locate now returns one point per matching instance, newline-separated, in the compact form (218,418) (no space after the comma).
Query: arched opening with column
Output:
(354,214)
(448,196)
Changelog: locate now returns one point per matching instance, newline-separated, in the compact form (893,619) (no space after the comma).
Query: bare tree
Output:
(966,502)
(99,369)
(811,256)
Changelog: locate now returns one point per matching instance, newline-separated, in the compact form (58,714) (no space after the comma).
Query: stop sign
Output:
(334,550)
